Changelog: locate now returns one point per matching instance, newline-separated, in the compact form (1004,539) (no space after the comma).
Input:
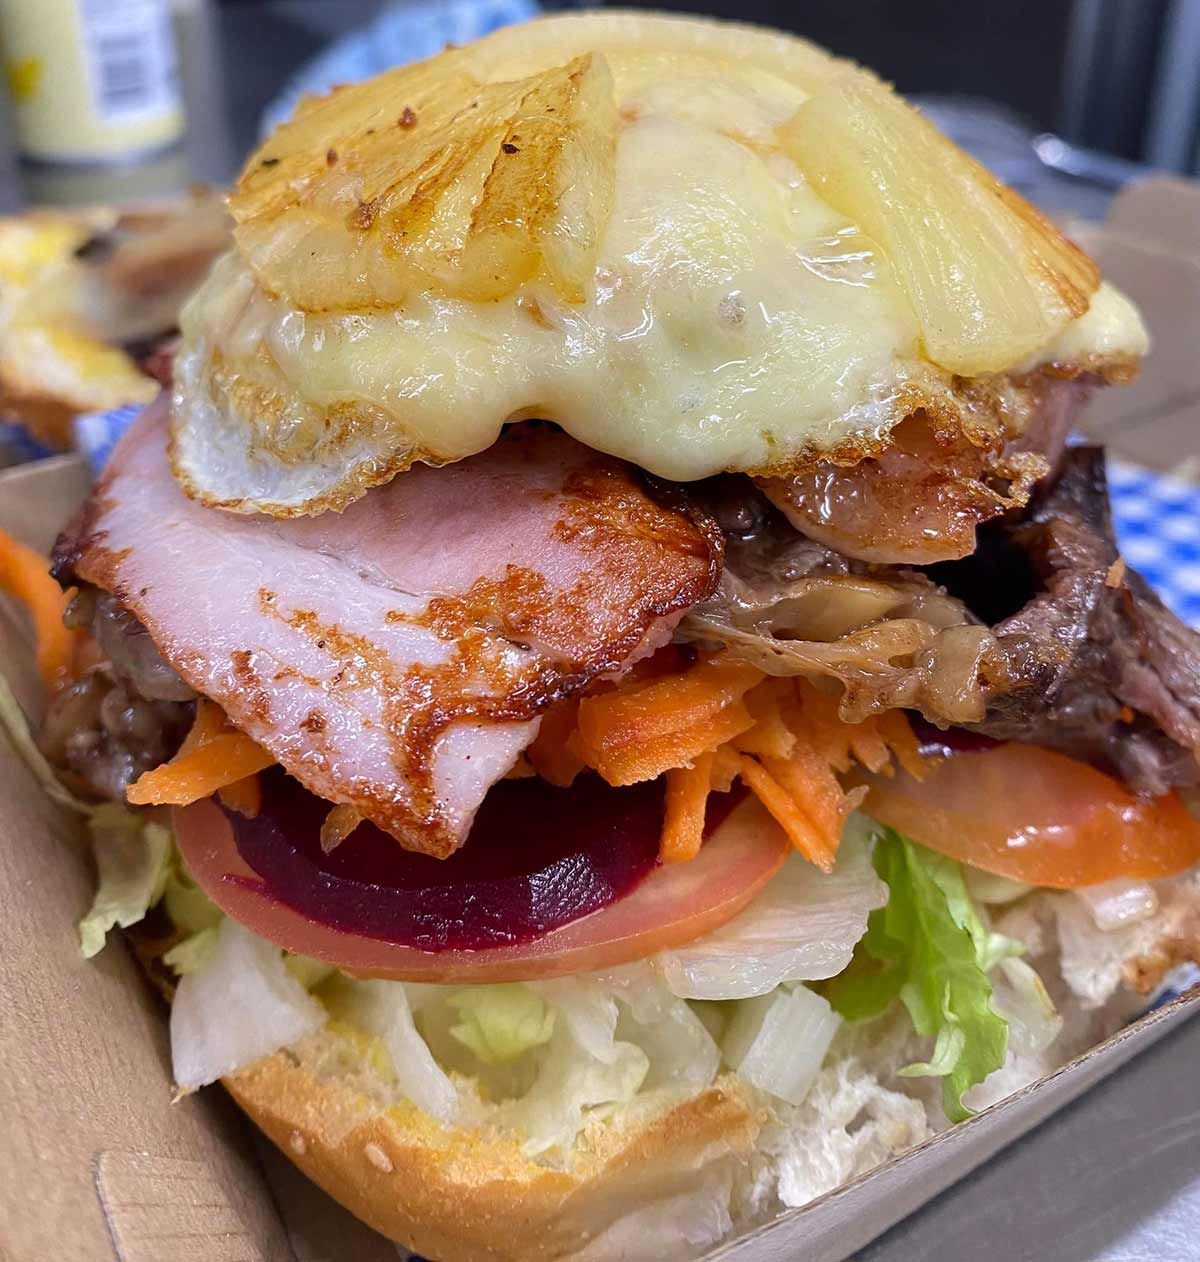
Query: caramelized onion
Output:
(902,643)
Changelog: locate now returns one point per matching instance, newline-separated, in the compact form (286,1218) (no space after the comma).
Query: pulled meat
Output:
(121,717)
(1109,674)
(1040,636)
(891,637)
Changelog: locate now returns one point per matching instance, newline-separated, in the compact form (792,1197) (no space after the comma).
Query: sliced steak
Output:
(1109,674)
(1041,635)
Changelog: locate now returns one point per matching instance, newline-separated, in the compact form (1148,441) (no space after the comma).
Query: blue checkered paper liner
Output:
(1181,979)
(1157,515)
(16,446)
(96,433)
(1158,526)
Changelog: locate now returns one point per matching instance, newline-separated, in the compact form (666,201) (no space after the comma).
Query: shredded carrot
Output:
(787,813)
(869,747)
(208,722)
(552,755)
(814,787)
(636,734)
(630,762)
(727,766)
(818,724)
(770,734)
(25,576)
(902,741)
(687,798)
(213,756)
(243,796)
(718,720)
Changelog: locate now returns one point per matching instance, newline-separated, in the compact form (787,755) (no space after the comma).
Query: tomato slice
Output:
(675,904)
(1037,816)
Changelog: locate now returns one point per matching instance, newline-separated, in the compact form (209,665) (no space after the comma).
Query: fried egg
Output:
(697,246)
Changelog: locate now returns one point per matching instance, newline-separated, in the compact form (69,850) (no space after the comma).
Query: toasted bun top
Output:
(695,245)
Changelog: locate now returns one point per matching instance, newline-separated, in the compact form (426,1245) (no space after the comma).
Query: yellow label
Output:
(23,78)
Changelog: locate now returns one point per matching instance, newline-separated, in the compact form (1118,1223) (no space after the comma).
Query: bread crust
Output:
(462,1195)
(466,1196)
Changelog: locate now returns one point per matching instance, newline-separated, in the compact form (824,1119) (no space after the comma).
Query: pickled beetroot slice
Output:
(537,858)
(676,903)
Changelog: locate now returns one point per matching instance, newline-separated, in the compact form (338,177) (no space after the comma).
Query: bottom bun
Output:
(463,1196)
(669,1180)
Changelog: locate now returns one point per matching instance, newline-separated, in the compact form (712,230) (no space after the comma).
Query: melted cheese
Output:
(734,321)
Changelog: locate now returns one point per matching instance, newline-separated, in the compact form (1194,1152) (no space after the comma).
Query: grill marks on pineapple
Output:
(499,183)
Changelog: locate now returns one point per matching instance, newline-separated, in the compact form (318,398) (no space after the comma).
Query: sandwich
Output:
(89,304)
(604,693)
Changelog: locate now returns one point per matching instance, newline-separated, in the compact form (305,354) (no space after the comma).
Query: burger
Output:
(89,304)
(604,692)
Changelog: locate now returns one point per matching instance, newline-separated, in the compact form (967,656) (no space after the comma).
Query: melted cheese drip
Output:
(736,322)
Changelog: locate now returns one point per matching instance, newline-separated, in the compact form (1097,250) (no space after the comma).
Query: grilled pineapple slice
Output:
(990,278)
(488,166)
(697,246)
(428,176)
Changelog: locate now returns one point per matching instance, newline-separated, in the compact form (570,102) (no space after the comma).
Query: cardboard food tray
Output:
(97,1164)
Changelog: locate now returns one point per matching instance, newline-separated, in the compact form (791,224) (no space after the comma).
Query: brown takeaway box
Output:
(97,1164)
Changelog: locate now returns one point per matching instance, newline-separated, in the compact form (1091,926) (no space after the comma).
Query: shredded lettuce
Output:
(15,726)
(585,1066)
(308,972)
(683,1053)
(500,1022)
(778,1041)
(929,948)
(189,907)
(1022,1000)
(803,926)
(239,1005)
(993,890)
(133,861)
(192,953)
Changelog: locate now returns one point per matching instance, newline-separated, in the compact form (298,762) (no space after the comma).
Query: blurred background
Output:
(1065,98)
